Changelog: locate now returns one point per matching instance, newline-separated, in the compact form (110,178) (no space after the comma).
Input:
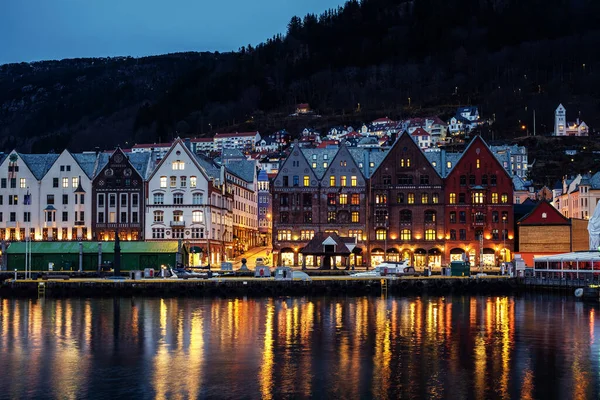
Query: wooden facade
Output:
(406,207)
(118,200)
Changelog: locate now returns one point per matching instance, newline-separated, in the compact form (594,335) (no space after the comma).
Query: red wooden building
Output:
(479,212)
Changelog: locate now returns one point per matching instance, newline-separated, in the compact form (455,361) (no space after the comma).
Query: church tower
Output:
(560,121)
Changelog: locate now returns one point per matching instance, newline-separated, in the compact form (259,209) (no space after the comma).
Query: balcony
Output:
(179,224)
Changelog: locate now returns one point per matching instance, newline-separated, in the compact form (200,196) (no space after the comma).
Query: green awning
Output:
(92,247)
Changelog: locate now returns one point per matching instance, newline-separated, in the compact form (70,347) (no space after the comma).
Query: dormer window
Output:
(544,215)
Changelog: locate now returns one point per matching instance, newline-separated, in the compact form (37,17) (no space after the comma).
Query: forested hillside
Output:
(509,57)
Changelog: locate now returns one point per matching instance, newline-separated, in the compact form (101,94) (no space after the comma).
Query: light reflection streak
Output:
(266,370)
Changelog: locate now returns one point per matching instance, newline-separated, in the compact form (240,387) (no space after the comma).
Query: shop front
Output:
(435,258)
(393,254)
(377,257)
(420,259)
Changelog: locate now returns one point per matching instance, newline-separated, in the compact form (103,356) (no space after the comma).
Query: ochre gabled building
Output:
(479,208)
(406,210)
(545,231)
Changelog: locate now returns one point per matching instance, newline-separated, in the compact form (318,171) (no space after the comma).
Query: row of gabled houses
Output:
(398,203)
(211,205)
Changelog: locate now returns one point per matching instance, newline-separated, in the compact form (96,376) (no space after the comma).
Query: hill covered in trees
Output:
(366,59)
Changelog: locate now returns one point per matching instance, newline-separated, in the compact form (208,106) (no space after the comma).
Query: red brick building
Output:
(479,211)
(406,210)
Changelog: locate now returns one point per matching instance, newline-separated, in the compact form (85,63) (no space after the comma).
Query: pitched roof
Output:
(319,171)
(151,145)
(420,132)
(207,164)
(552,216)
(315,246)
(141,163)
(39,164)
(87,162)
(373,156)
(243,169)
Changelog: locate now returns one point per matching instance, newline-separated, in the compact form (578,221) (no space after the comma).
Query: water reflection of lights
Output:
(266,369)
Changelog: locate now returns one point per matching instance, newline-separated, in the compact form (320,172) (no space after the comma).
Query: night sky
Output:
(33,30)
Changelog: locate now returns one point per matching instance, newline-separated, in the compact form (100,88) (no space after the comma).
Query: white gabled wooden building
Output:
(177,197)
(65,197)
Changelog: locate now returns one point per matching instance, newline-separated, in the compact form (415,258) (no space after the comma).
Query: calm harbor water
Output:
(422,347)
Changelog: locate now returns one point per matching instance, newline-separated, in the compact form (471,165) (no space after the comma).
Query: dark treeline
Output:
(510,57)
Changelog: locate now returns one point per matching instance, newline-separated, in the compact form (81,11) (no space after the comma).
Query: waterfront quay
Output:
(65,286)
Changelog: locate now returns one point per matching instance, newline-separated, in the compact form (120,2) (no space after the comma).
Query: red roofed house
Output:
(244,141)
(422,138)
(545,231)
(382,121)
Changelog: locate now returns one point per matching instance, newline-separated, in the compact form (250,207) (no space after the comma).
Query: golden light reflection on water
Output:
(463,347)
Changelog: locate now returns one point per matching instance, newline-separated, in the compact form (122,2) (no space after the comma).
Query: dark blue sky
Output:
(54,29)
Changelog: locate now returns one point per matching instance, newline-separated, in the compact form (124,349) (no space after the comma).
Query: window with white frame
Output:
(159,216)
(159,198)
(197,216)
(178,165)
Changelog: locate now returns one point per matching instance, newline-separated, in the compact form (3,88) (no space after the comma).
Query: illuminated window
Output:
(284,235)
(331,216)
(355,216)
(332,181)
(381,234)
(343,198)
(355,233)
(23,183)
(178,165)
(163,181)
(424,198)
(504,198)
(430,234)
(306,180)
(65,182)
(380,198)
(435,199)
(448,165)
(342,180)
(325,165)
(452,199)
(193,181)
(407,162)
(478,163)
(307,234)
(314,165)
(405,234)
(355,199)
(343,163)
(75,181)
(411,198)
(353,181)
(494,198)
(197,216)
(331,199)
(402,162)
(477,198)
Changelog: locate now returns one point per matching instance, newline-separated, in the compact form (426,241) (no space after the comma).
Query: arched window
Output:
(178,198)
(178,216)
(405,234)
(429,216)
(159,216)
(405,216)
(381,234)
(159,198)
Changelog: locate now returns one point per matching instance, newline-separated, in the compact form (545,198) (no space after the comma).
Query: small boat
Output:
(388,268)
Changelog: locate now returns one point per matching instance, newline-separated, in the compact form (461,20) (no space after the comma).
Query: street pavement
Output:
(251,255)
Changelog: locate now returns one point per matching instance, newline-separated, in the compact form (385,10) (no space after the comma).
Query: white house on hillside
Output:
(564,128)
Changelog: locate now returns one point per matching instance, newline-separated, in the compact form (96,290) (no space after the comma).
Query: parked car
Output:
(260,261)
